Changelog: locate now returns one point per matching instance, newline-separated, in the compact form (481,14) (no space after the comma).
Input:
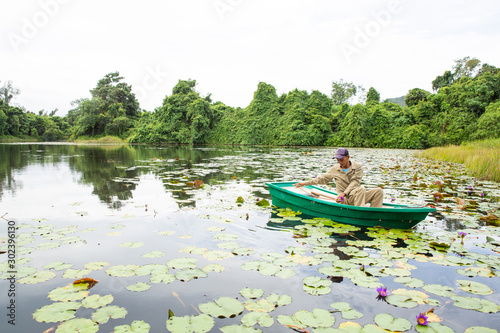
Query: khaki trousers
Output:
(360,197)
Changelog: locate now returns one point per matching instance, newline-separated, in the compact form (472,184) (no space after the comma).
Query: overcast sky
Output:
(55,51)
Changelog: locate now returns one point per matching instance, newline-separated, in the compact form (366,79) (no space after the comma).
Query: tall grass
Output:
(482,158)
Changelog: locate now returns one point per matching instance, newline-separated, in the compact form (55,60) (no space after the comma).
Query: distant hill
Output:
(397,100)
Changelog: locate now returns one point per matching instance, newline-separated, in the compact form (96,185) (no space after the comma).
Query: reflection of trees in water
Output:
(100,166)
(16,157)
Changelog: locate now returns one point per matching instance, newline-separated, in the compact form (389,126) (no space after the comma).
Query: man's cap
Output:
(342,152)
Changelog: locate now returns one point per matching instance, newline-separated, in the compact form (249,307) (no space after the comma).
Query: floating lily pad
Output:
(251,293)
(102,315)
(410,282)
(433,328)
(195,324)
(260,318)
(217,255)
(316,286)
(58,266)
(388,322)
(347,311)
(438,289)
(137,326)
(223,307)
(68,293)
(401,301)
(152,269)
(48,245)
(96,265)
(75,273)
(302,318)
(154,254)
(122,270)
(182,263)
(189,274)
(225,237)
(78,325)
(475,287)
(56,312)
(480,329)
(38,277)
(139,286)
(97,301)
(166,233)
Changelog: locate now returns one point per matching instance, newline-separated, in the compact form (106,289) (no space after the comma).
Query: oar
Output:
(319,194)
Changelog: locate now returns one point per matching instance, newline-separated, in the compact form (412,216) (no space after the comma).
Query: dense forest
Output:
(464,105)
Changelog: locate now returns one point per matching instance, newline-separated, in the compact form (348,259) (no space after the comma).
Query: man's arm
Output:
(321,180)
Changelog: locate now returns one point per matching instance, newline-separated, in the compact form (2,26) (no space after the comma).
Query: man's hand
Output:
(341,198)
(299,184)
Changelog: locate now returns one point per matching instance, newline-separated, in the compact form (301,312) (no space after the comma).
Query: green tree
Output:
(342,92)
(373,96)
(415,96)
(8,92)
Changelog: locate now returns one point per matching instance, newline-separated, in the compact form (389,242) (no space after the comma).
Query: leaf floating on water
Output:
(263,203)
(58,266)
(316,286)
(195,324)
(56,312)
(89,282)
(433,328)
(302,318)
(97,301)
(122,270)
(96,265)
(223,307)
(78,325)
(137,326)
(139,286)
(475,287)
(38,277)
(189,274)
(251,293)
(68,293)
(254,318)
(182,263)
(102,315)
(154,254)
(388,322)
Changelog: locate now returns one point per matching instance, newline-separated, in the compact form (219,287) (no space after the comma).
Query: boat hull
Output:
(388,216)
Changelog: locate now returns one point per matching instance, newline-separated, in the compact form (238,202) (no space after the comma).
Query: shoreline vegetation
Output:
(481,158)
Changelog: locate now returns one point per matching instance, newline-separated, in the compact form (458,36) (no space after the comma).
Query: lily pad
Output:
(97,301)
(102,315)
(38,277)
(139,286)
(190,324)
(475,287)
(223,307)
(401,301)
(217,255)
(182,263)
(137,326)
(122,270)
(410,282)
(75,273)
(162,277)
(302,318)
(388,322)
(480,329)
(57,266)
(151,269)
(154,254)
(56,312)
(347,311)
(78,325)
(316,286)
(260,318)
(133,245)
(433,328)
(214,268)
(251,293)
(68,293)
(262,305)
(96,265)
(189,274)
(438,289)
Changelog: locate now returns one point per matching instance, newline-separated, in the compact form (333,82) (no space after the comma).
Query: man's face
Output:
(344,162)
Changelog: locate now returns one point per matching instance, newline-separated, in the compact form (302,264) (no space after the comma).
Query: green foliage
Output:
(373,96)
(465,105)
(415,96)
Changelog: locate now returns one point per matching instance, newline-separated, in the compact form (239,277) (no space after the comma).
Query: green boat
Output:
(319,202)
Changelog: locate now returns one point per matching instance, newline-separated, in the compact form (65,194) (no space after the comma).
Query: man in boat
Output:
(347,176)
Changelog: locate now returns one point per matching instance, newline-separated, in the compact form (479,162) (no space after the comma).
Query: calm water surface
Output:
(77,204)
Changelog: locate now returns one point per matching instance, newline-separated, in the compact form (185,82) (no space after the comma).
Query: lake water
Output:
(130,218)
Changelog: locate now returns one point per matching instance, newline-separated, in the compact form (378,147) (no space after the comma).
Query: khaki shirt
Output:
(345,182)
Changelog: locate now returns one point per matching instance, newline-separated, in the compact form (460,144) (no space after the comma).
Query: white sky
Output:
(55,51)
